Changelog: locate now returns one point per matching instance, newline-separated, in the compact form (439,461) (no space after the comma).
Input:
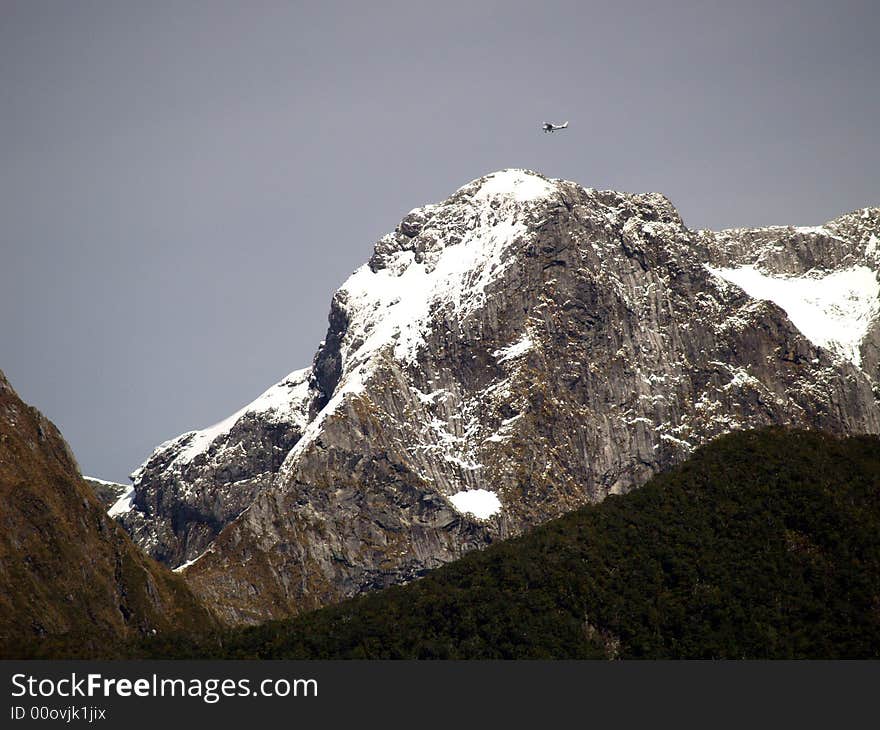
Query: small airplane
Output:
(550,127)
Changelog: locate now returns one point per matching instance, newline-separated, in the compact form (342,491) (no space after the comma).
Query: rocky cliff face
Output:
(524,347)
(70,578)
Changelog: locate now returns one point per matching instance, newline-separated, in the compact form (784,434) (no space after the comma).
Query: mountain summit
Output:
(505,356)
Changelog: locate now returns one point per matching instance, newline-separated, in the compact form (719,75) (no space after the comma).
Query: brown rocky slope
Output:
(71,580)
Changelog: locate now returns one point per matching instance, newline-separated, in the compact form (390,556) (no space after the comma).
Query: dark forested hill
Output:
(762,544)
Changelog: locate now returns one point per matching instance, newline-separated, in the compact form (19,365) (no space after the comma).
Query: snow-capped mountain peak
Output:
(508,354)
(519,186)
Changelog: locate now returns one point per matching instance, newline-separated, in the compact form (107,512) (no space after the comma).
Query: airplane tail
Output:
(563,125)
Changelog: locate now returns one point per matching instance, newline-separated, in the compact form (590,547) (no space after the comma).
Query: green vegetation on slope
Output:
(72,583)
(764,544)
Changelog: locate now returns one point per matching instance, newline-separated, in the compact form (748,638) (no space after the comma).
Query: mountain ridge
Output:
(527,338)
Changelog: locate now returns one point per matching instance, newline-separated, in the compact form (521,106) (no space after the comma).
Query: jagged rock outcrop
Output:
(202,480)
(71,580)
(522,348)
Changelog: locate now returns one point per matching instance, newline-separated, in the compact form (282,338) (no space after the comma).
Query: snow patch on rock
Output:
(481,503)
(104,481)
(122,505)
(518,348)
(183,566)
(833,310)
(519,185)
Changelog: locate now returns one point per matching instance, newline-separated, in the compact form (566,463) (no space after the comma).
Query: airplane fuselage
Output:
(550,127)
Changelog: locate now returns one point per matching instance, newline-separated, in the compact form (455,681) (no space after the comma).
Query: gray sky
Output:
(183,185)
